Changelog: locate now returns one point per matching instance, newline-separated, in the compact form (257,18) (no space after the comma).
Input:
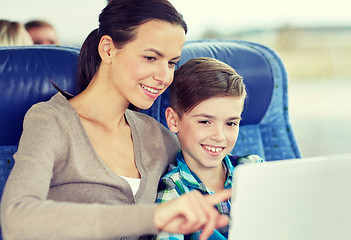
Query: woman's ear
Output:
(106,45)
(172,119)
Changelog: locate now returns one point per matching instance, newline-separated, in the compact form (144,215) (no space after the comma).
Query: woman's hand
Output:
(192,212)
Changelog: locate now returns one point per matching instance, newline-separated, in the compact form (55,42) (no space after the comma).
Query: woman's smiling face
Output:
(144,67)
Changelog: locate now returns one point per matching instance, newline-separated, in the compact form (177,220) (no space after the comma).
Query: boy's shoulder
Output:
(172,184)
(178,170)
(173,172)
(180,175)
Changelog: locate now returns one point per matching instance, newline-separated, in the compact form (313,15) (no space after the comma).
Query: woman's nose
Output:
(164,74)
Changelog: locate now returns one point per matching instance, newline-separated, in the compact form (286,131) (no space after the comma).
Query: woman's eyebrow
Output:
(159,53)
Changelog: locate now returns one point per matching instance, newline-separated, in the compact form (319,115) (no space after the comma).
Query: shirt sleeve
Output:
(167,191)
(250,159)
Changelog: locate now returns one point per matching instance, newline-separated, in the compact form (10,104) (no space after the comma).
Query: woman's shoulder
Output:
(56,103)
(56,109)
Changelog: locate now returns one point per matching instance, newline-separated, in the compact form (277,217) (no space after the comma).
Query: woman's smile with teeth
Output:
(151,90)
(213,149)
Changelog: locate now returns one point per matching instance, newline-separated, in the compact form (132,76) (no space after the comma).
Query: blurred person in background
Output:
(13,34)
(42,32)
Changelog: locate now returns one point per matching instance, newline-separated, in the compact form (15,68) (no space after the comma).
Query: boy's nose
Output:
(218,134)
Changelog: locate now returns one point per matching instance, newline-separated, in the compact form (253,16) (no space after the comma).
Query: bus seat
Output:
(25,75)
(265,128)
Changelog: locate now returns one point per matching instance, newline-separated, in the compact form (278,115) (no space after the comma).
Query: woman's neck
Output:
(100,104)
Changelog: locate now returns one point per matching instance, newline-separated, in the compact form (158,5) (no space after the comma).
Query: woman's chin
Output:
(145,105)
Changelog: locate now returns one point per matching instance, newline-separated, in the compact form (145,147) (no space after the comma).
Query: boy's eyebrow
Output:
(235,118)
(160,54)
(211,117)
(203,115)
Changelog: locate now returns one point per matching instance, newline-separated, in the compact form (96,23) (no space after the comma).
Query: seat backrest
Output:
(265,129)
(25,75)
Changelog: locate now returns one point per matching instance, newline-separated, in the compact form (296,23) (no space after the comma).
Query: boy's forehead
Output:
(219,106)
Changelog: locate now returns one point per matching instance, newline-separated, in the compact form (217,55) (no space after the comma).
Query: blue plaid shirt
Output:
(180,179)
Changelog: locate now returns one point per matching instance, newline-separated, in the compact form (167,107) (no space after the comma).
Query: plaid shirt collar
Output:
(190,179)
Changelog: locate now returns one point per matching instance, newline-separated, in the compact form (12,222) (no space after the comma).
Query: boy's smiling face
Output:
(209,131)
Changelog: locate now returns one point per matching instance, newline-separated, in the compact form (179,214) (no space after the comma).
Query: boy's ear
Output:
(172,119)
(105,48)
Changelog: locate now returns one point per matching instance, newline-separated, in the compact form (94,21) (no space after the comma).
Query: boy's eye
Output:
(204,122)
(231,124)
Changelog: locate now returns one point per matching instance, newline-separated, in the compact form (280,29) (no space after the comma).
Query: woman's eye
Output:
(204,122)
(150,59)
(172,64)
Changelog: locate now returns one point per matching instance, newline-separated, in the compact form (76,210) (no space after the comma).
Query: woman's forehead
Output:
(162,36)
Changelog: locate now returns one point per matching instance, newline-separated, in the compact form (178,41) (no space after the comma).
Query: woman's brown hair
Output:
(119,20)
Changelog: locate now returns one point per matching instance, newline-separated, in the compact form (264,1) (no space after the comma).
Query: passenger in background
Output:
(206,101)
(13,34)
(42,32)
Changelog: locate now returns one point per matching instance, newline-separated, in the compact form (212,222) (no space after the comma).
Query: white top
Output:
(134,183)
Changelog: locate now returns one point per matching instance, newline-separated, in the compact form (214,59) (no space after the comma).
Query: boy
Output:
(206,101)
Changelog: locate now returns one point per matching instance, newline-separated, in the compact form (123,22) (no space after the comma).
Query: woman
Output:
(87,167)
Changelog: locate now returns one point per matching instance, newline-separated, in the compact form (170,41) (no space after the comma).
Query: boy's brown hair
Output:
(200,79)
